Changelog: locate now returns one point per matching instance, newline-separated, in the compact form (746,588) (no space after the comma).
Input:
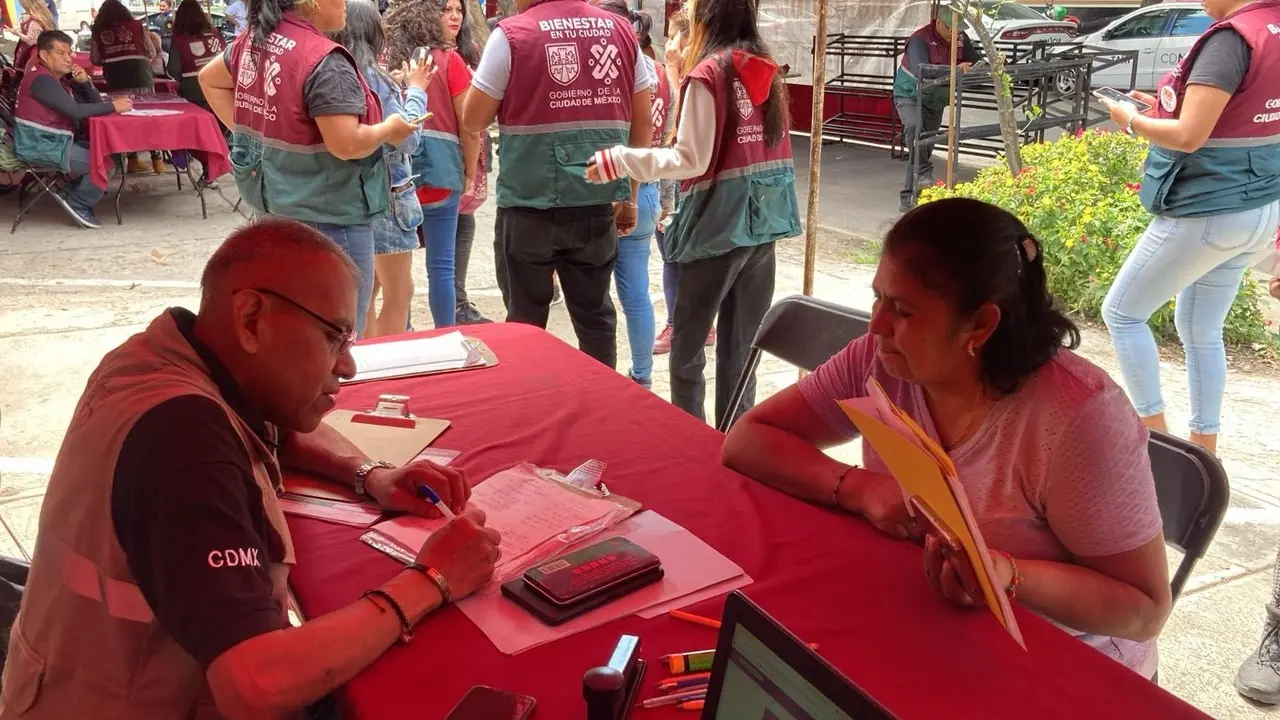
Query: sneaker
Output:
(556,296)
(468,314)
(711,338)
(646,384)
(84,216)
(662,343)
(1259,676)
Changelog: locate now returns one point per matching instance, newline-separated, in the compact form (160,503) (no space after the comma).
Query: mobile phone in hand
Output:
(1106,93)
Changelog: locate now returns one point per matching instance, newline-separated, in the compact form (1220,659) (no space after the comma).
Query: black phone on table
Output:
(485,703)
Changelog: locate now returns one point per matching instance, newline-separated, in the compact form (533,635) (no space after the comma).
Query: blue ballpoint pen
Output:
(426,493)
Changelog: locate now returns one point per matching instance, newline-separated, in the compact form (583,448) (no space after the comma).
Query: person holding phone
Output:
(445,161)
(1212,183)
(966,339)
(395,232)
(306,130)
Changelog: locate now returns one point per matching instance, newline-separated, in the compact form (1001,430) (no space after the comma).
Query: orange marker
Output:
(695,619)
(691,705)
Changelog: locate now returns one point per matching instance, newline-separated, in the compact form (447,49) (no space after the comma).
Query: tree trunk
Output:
(1003,87)
(476,19)
(506,8)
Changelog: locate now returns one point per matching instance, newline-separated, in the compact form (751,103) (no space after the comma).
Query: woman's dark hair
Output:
(973,253)
(466,41)
(110,14)
(718,25)
(362,35)
(191,19)
(640,22)
(411,24)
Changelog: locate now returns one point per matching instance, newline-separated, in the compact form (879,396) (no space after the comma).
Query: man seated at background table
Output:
(158,585)
(965,339)
(55,99)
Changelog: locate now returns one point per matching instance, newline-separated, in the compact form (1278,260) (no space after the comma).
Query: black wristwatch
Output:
(362,474)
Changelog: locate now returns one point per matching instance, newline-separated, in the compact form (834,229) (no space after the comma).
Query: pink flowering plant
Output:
(1079,196)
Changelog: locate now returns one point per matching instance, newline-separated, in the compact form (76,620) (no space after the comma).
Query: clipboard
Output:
(480,356)
(389,431)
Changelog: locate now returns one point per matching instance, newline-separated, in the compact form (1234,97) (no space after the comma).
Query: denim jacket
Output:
(413,104)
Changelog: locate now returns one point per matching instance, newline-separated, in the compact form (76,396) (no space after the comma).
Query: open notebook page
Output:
(408,357)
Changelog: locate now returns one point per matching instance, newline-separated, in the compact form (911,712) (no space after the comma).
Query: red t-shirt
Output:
(458,75)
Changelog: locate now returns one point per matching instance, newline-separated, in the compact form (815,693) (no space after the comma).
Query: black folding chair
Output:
(803,331)
(1193,491)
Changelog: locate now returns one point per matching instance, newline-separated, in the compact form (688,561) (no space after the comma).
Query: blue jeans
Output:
(80,192)
(440,236)
(1201,261)
(631,276)
(357,241)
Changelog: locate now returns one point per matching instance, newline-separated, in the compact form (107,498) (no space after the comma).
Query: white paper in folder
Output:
(413,357)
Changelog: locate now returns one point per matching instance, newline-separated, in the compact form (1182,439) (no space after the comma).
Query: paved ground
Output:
(70,295)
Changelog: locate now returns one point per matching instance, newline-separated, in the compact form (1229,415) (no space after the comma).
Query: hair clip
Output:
(1029,248)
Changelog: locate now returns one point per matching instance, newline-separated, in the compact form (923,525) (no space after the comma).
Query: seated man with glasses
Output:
(158,586)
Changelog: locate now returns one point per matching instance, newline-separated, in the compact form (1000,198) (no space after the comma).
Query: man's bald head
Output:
(272,252)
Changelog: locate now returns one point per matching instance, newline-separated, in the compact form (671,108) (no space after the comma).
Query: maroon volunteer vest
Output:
(939,47)
(439,100)
(269,98)
(121,42)
(1254,110)
(740,135)
(32,110)
(195,51)
(660,109)
(25,53)
(570,61)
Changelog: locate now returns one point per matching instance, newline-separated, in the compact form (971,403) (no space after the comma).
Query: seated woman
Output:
(124,50)
(965,338)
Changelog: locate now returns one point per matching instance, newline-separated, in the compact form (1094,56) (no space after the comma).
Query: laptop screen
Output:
(759,685)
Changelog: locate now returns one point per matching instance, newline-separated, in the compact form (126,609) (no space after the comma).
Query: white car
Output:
(1162,34)
(1008,22)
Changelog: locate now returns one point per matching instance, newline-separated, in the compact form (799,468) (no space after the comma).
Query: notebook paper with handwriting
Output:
(923,470)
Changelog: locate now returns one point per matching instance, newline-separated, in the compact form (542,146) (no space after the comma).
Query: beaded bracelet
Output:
(1012,589)
(835,489)
(406,630)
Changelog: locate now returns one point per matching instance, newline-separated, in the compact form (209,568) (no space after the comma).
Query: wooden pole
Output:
(815,145)
(951,97)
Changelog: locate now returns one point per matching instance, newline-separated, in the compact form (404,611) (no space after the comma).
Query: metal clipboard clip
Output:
(390,411)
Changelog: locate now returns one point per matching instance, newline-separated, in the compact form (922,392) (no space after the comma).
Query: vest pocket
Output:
(1264,169)
(246,167)
(23,674)
(571,186)
(1158,176)
(375,181)
(772,211)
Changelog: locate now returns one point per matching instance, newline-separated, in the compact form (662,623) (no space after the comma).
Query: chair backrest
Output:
(806,331)
(1192,490)
(803,331)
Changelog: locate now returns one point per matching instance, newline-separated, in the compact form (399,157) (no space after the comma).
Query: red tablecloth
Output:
(830,578)
(194,129)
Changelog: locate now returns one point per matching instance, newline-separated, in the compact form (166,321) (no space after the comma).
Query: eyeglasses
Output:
(340,338)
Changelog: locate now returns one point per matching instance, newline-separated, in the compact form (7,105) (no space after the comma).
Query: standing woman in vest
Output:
(306,130)
(631,273)
(194,43)
(395,233)
(36,20)
(738,196)
(124,49)
(1212,181)
(445,162)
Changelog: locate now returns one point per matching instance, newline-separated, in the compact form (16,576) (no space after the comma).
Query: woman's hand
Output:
(1143,97)
(1121,113)
(878,498)
(417,74)
(593,172)
(947,572)
(397,128)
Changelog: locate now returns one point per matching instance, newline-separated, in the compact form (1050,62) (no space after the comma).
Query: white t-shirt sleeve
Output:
(646,76)
(494,71)
(688,158)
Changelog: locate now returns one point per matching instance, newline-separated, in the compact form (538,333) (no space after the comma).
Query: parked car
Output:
(1008,22)
(1162,34)
(1089,15)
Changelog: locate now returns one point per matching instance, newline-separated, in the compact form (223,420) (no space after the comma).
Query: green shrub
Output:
(1079,196)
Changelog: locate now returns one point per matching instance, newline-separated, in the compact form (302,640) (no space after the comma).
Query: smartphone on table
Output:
(485,703)
(1106,93)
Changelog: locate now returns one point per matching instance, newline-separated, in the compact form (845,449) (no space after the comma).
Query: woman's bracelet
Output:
(835,489)
(1012,589)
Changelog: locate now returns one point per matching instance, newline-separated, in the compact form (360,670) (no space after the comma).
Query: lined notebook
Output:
(401,358)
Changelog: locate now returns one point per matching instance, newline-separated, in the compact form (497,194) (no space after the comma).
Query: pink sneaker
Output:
(662,343)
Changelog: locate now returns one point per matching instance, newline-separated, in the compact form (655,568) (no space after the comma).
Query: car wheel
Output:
(1065,82)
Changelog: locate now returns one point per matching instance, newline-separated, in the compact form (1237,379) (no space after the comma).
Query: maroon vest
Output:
(195,51)
(25,53)
(661,107)
(740,147)
(269,100)
(31,110)
(569,61)
(121,42)
(939,47)
(1254,110)
(439,100)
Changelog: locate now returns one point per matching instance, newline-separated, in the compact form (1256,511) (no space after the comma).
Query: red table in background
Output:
(829,577)
(193,128)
